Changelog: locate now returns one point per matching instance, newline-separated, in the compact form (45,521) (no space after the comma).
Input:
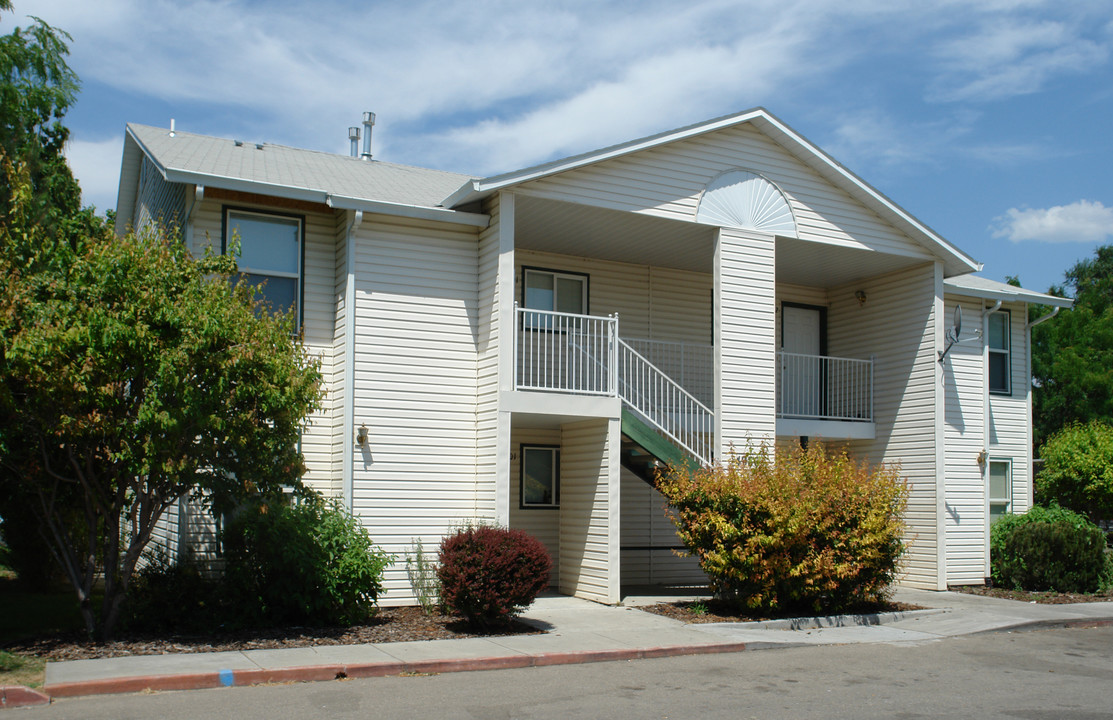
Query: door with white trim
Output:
(802,343)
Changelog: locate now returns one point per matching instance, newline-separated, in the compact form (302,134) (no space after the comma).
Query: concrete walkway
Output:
(577,631)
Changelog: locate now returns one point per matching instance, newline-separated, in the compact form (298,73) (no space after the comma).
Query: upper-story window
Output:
(270,255)
(1000,356)
(551,290)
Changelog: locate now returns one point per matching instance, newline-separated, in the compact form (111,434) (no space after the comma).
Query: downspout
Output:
(349,391)
(984,457)
(1054,311)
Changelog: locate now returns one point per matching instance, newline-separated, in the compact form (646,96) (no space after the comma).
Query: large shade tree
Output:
(1072,356)
(133,374)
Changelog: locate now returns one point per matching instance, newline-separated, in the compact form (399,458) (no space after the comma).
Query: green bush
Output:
(1049,549)
(167,596)
(787,530)
(488,575)
(308,563)
(1078,470)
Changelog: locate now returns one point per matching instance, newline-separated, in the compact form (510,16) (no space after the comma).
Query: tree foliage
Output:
(1072,355)
(1078,470)
(132,373)
(36,89)
(783,530)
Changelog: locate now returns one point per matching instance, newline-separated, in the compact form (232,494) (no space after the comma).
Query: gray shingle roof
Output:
(209,160)
(980,287)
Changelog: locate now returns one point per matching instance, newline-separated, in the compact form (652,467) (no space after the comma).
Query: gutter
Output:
(1054,311)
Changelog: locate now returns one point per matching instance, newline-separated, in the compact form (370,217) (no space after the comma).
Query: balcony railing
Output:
(820,387)
(565,352)
(691,365)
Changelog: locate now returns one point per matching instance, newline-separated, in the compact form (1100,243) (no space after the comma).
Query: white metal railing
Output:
(821,387)
(689,364)
(665,404)
(565,352)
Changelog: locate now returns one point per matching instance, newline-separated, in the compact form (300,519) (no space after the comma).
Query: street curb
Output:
(12,696)
(334,671)
(1027,625)
(834,621)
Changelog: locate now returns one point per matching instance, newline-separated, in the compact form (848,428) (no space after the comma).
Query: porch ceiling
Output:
(586,231)
(802,262)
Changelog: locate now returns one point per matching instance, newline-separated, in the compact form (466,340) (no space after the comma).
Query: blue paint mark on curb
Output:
(226,678)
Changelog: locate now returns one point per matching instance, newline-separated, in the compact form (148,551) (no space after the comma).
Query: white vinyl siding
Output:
(158,201)
(318,318)
(1010,415)
(897,324)
(667,181)
(648,539)
(964,429)
(651,302)
(542,523)
(489,306)
(589,532)
(415,385)
(746,346)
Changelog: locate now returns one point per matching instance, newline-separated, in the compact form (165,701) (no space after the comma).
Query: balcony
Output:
(820,395)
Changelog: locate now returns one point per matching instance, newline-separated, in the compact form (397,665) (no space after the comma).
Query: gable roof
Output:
(956,261)
(339,181)
(980,287)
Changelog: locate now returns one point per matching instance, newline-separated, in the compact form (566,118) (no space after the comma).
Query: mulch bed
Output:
(1044,598)
(714,611)
(400,624)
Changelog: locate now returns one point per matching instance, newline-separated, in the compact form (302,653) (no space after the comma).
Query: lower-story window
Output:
(540,476)
(1000,489)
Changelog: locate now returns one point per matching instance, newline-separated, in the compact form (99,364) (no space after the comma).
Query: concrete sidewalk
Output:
(577,631)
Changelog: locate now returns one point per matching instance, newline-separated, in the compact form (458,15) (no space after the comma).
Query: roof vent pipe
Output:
(368,123)
(353,135)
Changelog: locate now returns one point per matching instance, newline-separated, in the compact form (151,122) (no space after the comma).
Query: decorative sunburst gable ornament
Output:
(742,199)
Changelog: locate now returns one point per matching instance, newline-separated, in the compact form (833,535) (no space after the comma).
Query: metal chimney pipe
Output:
(368,123)
(353,135)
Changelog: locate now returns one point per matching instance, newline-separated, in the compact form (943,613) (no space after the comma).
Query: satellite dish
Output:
(952,334)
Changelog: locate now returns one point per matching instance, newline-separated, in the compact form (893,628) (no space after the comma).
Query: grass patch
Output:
(22,670)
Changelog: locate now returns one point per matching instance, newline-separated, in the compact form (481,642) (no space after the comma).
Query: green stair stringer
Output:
(655,444)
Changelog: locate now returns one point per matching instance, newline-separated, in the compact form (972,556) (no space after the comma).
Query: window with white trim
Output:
(540,476)
(1000,489)
(551,290)
(1000,356)
(270,256)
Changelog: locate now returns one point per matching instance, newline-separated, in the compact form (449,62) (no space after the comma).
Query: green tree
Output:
(132,374)
(1078,469)
(1072,355)
(36,89)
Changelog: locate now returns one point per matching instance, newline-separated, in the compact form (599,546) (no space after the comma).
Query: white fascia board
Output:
(1021,295)
(130,162)
(411,211)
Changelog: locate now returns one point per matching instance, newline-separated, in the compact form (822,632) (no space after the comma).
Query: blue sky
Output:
(989,120)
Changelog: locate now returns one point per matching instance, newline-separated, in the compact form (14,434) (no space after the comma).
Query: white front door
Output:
(800,366)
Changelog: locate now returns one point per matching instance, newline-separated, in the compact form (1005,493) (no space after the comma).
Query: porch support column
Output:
(589,510)
(940,405)
(506,327)
(745,339)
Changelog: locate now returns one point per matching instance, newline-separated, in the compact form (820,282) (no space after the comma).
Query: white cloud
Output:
(96,165)
(1007,57)
(1082,221)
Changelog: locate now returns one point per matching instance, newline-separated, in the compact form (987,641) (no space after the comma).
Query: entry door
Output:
(801,377)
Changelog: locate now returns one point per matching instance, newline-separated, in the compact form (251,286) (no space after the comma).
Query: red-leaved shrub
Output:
(488,574)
